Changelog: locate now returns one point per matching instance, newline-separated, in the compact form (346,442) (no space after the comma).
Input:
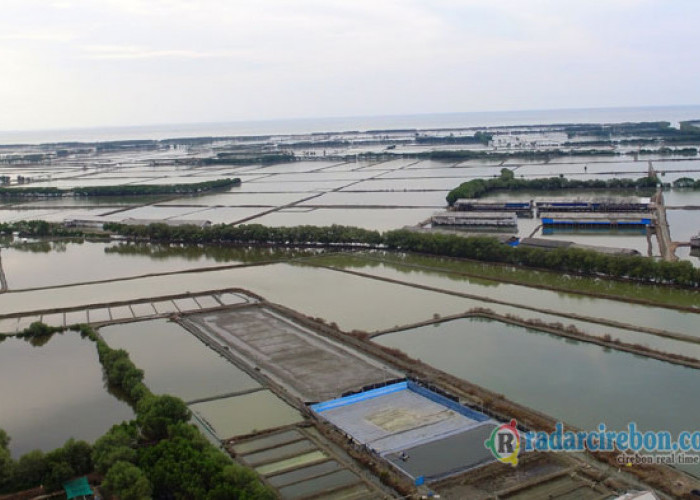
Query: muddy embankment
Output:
(570,332)
(3,280)
(579,317)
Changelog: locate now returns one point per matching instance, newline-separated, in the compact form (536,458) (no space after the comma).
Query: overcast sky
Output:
(79,63)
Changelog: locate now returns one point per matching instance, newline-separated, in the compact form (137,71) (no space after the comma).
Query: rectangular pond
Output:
(238,199)
(381,219)
(581,384)
(51,263)
(634,314)
(350,301)
(175,361)
(246,414)
(409,199)
(52,389)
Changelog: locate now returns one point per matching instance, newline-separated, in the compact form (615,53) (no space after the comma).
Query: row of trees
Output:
(692,126)
(216,253)
(159,453)
(121,190)
(526,155)
(587,262)
(666,151)
(38,228)
(569,260)
(246,158)
(38,468)
(478,188)
(574,260)
(654,130)
(545,155)
(480,137)
(251,234)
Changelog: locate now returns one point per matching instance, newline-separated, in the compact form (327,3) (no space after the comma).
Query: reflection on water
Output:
(672,320)
(661,294)
(51,263)
(52,389)
(382,219)
(246,414)
(350,301)
(221,254)
(190,370)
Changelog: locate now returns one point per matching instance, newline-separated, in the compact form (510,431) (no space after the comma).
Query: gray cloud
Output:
(82,63)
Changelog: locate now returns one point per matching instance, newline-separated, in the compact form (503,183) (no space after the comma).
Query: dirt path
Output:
(663,232)
(3,280)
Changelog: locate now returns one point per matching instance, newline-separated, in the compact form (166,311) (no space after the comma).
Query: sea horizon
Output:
(290,126)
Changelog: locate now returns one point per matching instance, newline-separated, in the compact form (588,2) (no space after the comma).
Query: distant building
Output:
(475,219)
(477,205)
(169,222)
(89,223)
(549,244)
(609,204)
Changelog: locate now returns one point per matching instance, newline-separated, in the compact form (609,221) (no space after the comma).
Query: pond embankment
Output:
(3,280)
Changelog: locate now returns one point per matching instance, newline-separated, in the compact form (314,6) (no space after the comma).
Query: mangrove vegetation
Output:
(158,454)
(478,188)
(480,248)
(120,190)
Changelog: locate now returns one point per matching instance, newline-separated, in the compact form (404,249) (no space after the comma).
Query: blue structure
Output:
(400,386)
(424,433)
(593,206)
(355,398)
(641,223)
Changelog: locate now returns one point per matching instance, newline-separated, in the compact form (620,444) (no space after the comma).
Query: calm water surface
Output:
(186,368)
(54,391)
(581,384)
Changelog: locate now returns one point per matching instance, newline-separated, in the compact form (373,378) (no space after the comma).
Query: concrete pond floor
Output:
(312,367)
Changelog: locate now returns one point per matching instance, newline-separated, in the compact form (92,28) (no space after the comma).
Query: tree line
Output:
(566,260)
(121,190)
(158,454)
(246,158)
(38,228)
(482,248)
(526,155)
(251,234)
(479,137)
(478,188)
